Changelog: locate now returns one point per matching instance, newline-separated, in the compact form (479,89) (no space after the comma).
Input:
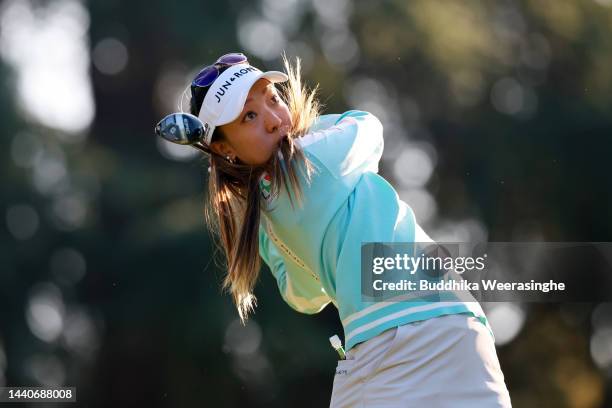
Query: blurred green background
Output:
(498,125)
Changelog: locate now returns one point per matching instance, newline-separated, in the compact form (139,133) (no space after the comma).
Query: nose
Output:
(273,121)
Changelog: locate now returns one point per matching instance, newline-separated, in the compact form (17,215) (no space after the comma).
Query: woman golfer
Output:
(301,191)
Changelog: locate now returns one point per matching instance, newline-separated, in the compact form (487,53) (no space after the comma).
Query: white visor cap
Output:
(226,97)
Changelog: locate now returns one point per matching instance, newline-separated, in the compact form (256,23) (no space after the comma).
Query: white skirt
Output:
(446,361)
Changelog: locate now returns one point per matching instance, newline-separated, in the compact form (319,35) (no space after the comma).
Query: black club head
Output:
(181,128)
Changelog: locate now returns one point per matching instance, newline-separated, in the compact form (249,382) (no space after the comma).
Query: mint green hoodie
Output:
(314,251)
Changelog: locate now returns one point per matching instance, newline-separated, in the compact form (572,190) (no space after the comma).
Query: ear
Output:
(222,148)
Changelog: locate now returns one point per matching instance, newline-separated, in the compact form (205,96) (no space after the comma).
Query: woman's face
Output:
(257,132)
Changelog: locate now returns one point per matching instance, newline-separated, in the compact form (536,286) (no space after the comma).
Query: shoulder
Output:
(350,121)
(324,122)
(357,115)
(330,120)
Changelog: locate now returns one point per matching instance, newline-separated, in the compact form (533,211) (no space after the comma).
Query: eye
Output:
(250,115)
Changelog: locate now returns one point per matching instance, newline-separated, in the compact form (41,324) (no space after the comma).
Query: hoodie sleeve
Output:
(352,145)
(301,292)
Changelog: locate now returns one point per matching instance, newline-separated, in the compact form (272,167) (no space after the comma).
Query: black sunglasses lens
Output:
(234,58)
(206,76)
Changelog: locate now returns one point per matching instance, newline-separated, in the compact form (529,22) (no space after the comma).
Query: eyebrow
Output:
(263,91)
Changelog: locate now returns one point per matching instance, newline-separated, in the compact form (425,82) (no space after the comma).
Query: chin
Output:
(264,158)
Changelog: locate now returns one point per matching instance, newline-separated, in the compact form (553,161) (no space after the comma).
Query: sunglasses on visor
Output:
(209,74)
(187,129)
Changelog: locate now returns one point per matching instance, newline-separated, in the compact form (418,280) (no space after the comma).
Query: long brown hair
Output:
(234,199)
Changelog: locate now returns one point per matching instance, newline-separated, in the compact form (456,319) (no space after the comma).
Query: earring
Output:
(229,159)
